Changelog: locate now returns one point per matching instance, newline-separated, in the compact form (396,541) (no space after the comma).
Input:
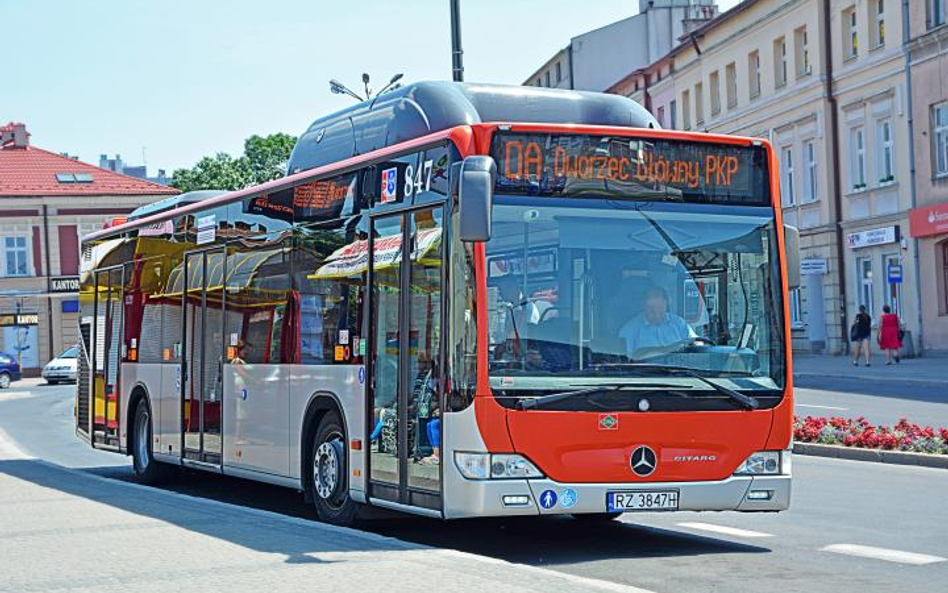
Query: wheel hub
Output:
(327,465)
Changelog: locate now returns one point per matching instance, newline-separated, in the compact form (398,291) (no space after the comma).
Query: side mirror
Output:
(791,240)
(475,186)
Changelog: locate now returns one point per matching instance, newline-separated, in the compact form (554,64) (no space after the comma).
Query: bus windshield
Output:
(598,289)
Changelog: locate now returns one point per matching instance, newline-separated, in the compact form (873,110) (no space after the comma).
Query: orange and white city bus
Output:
(461,301)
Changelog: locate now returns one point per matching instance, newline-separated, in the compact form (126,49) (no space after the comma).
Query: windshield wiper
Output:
(530,403)
(747,401)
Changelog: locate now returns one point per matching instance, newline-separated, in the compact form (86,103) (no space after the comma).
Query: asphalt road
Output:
(879,401)
(852,526)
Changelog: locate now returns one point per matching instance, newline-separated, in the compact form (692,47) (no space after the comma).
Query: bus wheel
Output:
(596,518)
(147,470)
(330,473)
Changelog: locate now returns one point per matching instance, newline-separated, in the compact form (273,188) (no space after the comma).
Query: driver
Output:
(655,326)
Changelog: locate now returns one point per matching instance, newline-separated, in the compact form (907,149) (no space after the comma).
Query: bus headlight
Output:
(499,466)
(760,463)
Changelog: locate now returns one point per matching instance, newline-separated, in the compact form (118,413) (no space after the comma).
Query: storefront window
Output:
(864,269)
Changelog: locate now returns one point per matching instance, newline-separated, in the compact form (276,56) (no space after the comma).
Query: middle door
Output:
(407,280)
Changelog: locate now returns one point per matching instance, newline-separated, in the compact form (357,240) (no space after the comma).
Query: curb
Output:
(877,455)
(925,382)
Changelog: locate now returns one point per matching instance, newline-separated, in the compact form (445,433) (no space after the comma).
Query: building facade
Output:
(47,202)
(597,59)
(928,58)
(825,81)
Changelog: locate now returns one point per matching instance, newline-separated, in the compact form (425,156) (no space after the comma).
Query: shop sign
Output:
(881,236)
(64,284)
(813,267)
(19,319)
(929,220)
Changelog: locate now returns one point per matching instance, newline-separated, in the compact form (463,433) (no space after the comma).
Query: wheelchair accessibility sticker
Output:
(568,498)
(548,499)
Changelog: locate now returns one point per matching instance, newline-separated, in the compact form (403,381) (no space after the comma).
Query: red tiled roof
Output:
(31,171)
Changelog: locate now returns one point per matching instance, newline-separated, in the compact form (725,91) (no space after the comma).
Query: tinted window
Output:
(329,269)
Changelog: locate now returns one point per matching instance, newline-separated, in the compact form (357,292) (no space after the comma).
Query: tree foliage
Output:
(264,159)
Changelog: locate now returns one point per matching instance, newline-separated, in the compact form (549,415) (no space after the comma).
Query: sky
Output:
(167,82)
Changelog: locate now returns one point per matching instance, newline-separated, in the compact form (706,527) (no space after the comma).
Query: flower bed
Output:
(904,436)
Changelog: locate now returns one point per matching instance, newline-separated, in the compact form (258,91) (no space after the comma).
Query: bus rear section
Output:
(634,342)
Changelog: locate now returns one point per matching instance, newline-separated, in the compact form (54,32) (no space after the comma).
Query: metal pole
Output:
(457,65)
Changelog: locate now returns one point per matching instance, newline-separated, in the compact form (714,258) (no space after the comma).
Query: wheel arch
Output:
(139,393)
(320,403)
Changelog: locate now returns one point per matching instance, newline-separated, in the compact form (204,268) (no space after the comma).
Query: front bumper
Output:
(59,375)
(486,498)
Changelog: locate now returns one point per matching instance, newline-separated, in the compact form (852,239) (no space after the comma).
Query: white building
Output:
(597,59)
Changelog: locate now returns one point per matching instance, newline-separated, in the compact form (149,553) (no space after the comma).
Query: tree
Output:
(264,159)
(268,156)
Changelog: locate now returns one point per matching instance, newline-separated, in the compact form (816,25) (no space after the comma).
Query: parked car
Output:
(9,370)
(63,367)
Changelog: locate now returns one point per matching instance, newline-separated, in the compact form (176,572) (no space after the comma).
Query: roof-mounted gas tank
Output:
(422,108)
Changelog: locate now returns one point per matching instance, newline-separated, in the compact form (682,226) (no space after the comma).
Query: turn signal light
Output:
(761,463)
(501,466)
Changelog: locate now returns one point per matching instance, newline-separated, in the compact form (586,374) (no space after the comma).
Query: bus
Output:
(462,300)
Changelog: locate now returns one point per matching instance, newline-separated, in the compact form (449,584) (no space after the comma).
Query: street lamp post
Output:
(457,64)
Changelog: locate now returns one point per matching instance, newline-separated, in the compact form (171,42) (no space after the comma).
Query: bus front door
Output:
(201,356)
(406,358)
(107,356)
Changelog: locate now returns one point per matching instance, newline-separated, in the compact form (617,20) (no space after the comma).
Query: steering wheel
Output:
(677,346)
(547,312)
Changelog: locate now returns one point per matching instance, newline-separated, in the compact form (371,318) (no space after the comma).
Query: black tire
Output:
(328,474)
(147,470)
(597,518)
(5,380)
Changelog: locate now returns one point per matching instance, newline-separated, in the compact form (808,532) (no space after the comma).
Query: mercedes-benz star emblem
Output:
(643,461)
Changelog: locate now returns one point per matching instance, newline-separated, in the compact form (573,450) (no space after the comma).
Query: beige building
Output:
(47,203)
(838,119)
(928,51)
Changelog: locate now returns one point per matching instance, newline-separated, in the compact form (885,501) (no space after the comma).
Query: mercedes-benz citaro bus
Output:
(463,300)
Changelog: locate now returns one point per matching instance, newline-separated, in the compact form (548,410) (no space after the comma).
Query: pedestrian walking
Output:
(859,334)
(889,336)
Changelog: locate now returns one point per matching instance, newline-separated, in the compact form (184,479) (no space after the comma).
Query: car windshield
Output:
(601,289)
(69,353)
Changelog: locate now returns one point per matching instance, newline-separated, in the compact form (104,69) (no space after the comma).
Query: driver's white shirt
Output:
(639,332)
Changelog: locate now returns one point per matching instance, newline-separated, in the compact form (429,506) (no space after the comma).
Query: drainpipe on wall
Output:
(49,285)
(570,54)
(906,38)
(827,57)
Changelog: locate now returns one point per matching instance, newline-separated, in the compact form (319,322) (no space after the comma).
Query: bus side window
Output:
(328,276)
(258,297)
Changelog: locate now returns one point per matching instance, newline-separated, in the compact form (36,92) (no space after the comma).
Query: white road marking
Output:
(724,530)
(9,395)
(821,407)
(9,449)
(883,554)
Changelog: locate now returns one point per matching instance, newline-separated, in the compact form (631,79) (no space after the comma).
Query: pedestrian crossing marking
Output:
(883,554)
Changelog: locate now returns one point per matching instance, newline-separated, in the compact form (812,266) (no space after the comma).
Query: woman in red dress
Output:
(889,335)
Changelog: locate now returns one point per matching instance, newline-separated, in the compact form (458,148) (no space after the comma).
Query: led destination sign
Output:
(638,168)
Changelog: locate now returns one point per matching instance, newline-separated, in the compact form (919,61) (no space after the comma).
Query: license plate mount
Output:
(641,500)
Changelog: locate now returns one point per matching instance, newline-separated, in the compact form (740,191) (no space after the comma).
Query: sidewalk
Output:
(68,530)
(922,371)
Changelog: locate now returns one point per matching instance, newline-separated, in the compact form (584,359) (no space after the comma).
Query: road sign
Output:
(895,273)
